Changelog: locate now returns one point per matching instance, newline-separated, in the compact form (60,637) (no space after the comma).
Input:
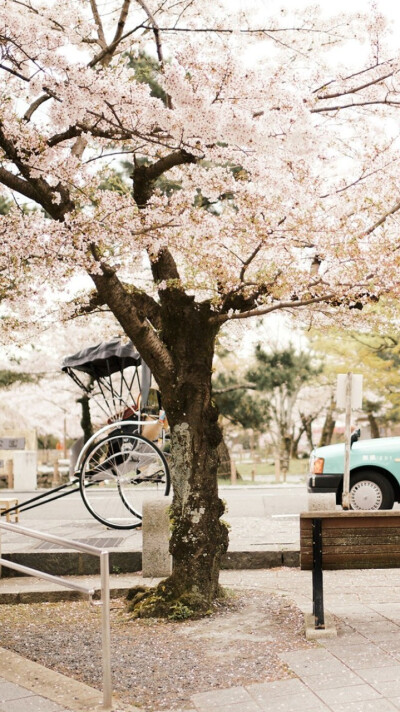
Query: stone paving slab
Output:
(365,706)
(216,700)
(285,696)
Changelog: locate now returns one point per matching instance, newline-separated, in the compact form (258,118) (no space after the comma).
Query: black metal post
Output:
(317,577)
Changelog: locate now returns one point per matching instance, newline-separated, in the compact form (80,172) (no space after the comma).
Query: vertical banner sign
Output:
(348,397)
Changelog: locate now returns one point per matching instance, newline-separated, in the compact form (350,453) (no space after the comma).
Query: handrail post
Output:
(105,591)
(105,629)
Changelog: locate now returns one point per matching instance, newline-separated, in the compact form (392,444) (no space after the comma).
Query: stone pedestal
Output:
(156,559)
(322,502)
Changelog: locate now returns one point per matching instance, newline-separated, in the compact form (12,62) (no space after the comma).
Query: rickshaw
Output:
(123,462)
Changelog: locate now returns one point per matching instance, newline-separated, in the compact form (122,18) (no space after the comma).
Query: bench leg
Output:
(317,578)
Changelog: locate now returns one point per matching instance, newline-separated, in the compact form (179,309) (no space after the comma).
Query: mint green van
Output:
(374,472)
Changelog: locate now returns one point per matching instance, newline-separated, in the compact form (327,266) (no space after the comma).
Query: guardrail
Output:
(104,584)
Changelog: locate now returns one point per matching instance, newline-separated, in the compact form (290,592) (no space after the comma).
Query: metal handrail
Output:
(104,584)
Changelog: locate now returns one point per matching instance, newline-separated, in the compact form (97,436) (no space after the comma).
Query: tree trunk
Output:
(294,452)
(224,462)
(183,372)
(328,426)
(199,539)
(373,425)
(284,455)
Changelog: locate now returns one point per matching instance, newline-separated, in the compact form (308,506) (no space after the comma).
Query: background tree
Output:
(280,375)
(262,220)
(234,397)
(9,378)
(329,423)
(270,397)
(375,356)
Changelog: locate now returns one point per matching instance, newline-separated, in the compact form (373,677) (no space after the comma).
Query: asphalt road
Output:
(241,501)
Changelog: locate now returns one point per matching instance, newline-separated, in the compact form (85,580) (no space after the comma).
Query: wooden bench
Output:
(346,540)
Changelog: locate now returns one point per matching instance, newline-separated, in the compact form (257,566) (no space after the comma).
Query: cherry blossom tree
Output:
(284,153)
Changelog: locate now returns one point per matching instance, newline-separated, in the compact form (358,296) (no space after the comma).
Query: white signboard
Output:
(356,391)
(12,443)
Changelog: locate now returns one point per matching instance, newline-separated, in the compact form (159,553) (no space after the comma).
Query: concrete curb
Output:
(71,563)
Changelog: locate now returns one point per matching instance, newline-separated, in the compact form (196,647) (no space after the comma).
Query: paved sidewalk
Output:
(356,672)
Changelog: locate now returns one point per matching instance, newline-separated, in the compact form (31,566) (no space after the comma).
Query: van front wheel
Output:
(370,490)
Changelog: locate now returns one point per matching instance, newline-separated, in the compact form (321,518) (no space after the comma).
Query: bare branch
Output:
(156,29)
(229,389)
(354,90)
(354,105)
(14,73)
(157,38)
(261,311)
(110,49)
(99,24)
(249,260)
(381,220)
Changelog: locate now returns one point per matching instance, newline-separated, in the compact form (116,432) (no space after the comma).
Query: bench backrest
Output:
(353,540)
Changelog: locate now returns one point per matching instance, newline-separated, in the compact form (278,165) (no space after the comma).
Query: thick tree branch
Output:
(144,176)
(163,267)
(35,105)
(121,22)
(124,306)
(14,73)
(39,190)
(17,184)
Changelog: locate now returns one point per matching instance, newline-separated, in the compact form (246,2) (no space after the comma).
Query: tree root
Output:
(158,602)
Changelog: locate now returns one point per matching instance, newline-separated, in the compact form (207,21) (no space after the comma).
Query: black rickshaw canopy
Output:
(114,366)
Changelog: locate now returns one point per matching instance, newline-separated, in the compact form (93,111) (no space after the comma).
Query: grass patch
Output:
(264,472)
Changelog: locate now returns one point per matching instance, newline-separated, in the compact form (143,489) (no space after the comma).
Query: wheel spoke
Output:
(117,473)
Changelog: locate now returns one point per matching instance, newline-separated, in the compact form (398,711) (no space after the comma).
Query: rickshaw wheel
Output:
(117,474)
